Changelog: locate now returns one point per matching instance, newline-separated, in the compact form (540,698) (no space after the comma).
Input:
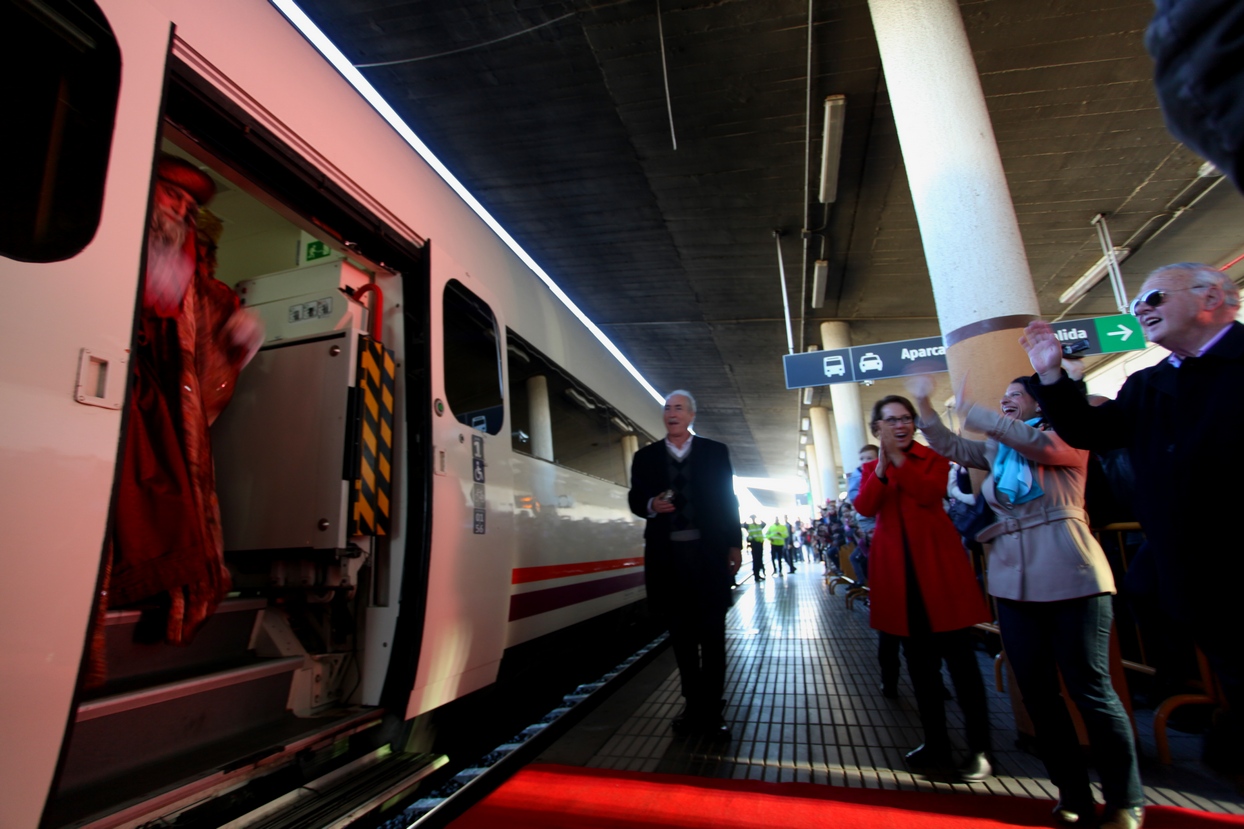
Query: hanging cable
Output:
(401,61)
(669,104)
(790,340)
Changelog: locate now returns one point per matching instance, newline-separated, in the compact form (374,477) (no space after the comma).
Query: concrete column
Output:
(814,479)
(841,470)
(630,445)
(981,283)
(825,460)
(539,417)
(849,420)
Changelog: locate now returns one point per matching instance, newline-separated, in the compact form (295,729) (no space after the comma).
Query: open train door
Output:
(472,540)
(86,93)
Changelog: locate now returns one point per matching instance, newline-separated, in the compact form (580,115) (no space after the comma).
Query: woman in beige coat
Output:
(1053,588)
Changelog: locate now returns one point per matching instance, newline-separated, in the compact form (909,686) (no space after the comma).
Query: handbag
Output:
(970,519)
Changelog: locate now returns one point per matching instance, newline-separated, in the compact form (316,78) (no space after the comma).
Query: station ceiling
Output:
(554,113)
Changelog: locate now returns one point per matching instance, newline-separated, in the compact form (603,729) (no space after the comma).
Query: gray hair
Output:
(681,393)
(1202,274)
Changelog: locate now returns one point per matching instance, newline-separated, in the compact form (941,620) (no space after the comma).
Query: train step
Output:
(175,722)
(134,659)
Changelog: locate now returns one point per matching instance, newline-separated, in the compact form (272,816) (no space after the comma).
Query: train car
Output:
(424,465)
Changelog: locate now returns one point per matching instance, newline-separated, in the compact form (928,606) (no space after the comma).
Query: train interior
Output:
(278,671)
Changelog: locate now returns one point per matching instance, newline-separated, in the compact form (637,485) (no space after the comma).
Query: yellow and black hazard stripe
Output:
(373,479)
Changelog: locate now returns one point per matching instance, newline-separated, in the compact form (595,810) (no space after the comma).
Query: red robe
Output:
(166,539)
(910,503)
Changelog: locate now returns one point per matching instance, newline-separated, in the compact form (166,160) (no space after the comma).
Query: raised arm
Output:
(945,442)
(1079,424)
(1044,447)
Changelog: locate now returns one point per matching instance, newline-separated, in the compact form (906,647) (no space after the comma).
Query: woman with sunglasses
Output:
(923,589)
(1053,587)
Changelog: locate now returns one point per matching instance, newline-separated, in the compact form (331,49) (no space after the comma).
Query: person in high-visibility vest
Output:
(756,540)
(776,534)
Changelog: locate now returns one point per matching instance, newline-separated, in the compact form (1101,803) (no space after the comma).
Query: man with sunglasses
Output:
(1178,421)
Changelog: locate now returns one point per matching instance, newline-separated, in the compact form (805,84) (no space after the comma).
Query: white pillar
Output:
(981,283)
(814,479)
(821,441)
(540,418)
(849,420)
(967,221)
(630,445)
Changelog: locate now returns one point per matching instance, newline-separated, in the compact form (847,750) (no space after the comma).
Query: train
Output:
(423,468)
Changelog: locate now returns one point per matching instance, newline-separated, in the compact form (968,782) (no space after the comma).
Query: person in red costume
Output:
(922,585)
(192,341)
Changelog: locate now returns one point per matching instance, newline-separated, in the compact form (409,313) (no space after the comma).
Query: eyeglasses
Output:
(1157,296)
(905,420)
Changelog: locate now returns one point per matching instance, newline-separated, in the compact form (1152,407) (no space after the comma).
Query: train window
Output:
(472,360)
(63,84)
(585,432)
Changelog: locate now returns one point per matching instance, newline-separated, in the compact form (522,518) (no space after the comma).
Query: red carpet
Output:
(551,797)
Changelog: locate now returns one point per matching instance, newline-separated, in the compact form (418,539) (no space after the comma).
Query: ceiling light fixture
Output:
(807,397)
(803,439)
(805,424)
(581,399)
(1092,276)
(831,146)
(820,278)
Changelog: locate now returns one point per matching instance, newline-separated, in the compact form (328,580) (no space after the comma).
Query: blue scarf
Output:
(1014,475)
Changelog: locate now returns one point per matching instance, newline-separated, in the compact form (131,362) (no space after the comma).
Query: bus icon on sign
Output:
(870,362)
(835,365)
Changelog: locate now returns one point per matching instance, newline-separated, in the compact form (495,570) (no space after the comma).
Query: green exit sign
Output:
(1119,333)
(317,250)
(1104,335)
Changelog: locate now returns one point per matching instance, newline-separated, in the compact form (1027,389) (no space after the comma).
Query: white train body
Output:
(548,546)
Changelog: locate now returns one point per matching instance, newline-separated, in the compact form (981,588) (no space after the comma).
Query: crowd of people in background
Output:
(912,524)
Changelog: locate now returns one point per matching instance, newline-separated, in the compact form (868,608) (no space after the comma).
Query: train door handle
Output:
(101,379)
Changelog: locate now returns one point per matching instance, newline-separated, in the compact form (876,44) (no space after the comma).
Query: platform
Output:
(803,686)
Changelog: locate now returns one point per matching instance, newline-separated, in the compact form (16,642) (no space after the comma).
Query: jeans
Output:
(758,558)
(887,656)
(778,553)
(925,652)
(1072,636)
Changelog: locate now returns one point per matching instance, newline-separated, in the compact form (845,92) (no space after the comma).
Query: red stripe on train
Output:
(525,575)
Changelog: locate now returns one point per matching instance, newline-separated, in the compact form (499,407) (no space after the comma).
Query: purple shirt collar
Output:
(1177,361)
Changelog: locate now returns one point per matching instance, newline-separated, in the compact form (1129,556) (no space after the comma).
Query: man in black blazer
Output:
(684,487)
(1179,420)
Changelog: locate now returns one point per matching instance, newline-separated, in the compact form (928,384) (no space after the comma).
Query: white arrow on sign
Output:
(1123,333)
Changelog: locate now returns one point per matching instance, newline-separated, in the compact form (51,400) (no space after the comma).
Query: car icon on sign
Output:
(834,365)
(870,362)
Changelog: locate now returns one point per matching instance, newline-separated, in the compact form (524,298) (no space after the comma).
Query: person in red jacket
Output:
(922,585)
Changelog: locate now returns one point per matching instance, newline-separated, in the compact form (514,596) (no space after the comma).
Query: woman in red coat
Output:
(922,585)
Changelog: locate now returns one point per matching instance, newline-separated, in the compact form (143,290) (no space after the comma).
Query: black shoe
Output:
(975,768)
(889,691)
(924,757)
(1132,818)
(1068,813)
(792,569)
(683,724)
